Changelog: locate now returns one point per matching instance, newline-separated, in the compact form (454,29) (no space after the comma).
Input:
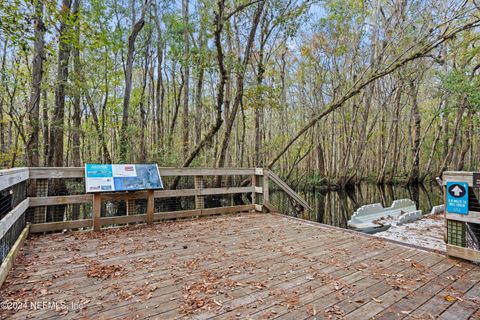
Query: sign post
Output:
(150,206)
(457,197)
(97,209)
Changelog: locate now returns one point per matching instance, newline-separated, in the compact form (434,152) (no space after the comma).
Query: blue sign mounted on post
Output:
(457,197)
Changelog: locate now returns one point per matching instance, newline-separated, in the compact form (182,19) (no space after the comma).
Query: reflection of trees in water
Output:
(336,207)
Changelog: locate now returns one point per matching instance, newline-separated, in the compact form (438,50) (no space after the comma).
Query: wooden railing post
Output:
(97,209)
(254,184)
(266,189)
(150,206)
(199,200)
(257,189)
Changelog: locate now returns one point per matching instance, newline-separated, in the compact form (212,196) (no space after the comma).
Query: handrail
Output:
(79,172)
(10,177)
(285,187)
(84,198)
(9,220)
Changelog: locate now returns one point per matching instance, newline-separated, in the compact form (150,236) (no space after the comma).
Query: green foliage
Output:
(459,84)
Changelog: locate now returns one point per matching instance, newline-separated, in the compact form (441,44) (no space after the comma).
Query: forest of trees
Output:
(326,91)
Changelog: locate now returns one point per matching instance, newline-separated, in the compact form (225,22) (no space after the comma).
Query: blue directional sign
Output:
(457,197)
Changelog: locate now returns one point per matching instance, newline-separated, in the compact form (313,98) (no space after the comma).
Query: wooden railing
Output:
(40,200)
(289,191)
(42,176)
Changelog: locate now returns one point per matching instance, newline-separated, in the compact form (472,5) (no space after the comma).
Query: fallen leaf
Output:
(418,266)
(377,300)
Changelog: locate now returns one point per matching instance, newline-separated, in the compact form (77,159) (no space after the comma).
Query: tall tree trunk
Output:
(143,111)
(56,136)
(46,128)
(415,172)
(177,100)
(136,28)
(105,153)
(320,158)
(219,20)
(239,86)
(198,105)
(260,99)
(466,141)
(160,90)
(3,147)
(202,43)
(33,133)
(77,68)
(432,153)
(186,78)
(453,140)
(392,138)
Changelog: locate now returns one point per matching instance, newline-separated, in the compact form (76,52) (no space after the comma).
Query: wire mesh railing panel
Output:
(68,212)
(173,204)
(183,183)
(473,202)
(472,235)
(11,236)
(114,208)
(6,202)
(67,186)
(10,198)
(225,181)
(227,200)
(463,234)
(19,193)
(137,206)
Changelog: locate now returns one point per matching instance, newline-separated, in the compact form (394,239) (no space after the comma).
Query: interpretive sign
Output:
(457,197)
(121,177)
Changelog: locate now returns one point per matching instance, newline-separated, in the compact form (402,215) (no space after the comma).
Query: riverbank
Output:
(427,232)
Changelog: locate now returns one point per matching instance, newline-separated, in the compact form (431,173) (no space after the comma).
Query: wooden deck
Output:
(250,266)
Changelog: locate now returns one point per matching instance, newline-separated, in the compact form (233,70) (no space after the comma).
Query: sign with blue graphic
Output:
(121,177)
(457,197)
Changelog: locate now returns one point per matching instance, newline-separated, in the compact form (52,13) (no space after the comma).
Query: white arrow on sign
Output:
(457,191)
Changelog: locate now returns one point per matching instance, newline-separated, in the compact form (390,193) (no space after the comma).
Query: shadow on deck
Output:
(259,266)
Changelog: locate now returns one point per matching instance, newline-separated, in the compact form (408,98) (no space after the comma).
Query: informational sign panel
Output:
(121,177)
(457,197)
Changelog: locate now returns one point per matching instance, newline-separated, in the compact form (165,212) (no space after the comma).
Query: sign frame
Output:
(122,177)
(457,197)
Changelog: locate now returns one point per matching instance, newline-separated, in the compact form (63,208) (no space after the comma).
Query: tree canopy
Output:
(330,91)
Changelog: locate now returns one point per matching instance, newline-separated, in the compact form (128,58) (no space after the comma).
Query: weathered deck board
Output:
(255,266)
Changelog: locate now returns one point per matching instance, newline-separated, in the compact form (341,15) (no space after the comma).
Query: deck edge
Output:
(372,236)
(8,262)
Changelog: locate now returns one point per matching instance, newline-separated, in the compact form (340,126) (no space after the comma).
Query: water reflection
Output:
(336,207)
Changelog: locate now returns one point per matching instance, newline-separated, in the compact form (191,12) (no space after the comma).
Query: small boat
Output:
(374,218)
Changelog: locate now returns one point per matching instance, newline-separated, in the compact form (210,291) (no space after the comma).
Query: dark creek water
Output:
(336,207)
